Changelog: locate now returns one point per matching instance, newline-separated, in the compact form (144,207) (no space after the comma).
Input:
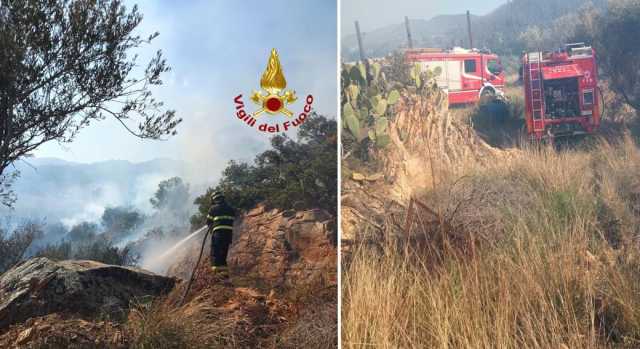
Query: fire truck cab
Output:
(561,90)
(466,75)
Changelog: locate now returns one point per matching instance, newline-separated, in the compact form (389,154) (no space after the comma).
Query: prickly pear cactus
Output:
(369,93)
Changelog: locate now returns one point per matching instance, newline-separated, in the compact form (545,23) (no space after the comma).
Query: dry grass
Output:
(316,328)
(555,262)
(224,315)
(152,326)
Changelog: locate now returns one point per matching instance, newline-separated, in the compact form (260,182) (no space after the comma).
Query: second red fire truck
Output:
(561,92)
(465,75)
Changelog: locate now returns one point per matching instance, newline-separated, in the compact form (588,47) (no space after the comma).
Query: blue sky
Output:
(373,14)
(218,49)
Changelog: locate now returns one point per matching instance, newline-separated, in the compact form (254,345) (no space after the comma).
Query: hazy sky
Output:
(218,49)
(373,14)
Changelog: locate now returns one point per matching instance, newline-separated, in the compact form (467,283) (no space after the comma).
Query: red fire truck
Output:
(466,75)
(561,92)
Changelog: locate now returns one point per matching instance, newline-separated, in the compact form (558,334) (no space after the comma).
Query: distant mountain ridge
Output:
(498,30)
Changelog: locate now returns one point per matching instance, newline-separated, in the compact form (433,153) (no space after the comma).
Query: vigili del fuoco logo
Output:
(273,100)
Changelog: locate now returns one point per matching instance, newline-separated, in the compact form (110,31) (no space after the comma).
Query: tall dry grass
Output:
(554,262)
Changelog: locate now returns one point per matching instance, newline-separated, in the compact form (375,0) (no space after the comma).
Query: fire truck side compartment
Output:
(561,98)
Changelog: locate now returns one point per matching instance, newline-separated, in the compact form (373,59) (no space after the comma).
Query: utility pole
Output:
(469,29)
(362,58)
(406,23)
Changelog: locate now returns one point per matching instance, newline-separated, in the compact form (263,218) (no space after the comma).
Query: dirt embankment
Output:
(428,145)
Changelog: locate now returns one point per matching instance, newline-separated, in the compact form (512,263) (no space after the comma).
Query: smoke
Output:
(74,192)
(62,194)
(145,187)
(92,200)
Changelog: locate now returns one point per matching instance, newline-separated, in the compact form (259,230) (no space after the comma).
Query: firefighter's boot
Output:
(221,272)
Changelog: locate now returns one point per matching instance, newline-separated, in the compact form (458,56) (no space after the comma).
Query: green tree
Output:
(172,194)
(533,38)
(66,64)
(103,250)
(83,232)
(293,174)
(14,245)
(618,48)
(100,250)
(121,219)
(58,251)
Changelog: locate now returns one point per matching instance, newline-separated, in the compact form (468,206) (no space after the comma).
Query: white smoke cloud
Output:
(96,198)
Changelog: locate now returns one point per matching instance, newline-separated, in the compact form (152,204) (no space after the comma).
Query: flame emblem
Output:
(271,99)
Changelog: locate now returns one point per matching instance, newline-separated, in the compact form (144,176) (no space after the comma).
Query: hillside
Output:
(475,246)
(282,287)
(281,294)
(499,30)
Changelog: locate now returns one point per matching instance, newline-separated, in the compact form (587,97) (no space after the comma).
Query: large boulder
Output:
(41,286)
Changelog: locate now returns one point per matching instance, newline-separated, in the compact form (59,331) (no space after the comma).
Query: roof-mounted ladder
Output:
(535,84)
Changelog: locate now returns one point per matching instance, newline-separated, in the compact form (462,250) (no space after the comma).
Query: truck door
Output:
(472,76)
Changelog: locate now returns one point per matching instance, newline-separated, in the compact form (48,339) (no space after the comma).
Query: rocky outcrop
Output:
(273,248)
(89,289)
(285,248)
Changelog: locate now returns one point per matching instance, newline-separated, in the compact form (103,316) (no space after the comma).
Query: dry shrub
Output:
(315,328)
(313,321)
(153,326)
(556,264)
(201,323)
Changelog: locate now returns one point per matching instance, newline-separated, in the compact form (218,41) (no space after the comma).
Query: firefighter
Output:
(220,221)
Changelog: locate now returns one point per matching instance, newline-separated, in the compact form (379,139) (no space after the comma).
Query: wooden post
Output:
(408,220)
(469,30)
(406,23)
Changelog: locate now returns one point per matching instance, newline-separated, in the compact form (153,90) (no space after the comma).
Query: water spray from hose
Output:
(155,262)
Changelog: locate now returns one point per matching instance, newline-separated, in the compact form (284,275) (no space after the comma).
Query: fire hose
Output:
(195,268)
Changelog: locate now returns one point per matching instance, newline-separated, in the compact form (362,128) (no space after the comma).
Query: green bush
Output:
(14,245)
(99,250)
(294,174)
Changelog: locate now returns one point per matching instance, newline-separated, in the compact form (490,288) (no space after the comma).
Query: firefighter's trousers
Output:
(220,242)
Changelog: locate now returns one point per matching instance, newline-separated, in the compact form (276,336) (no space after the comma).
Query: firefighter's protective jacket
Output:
(221,216)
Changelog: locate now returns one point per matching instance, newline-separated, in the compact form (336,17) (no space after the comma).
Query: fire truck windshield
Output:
(494,67)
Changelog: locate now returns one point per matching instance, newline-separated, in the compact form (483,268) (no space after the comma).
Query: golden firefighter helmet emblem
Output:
(271,99)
